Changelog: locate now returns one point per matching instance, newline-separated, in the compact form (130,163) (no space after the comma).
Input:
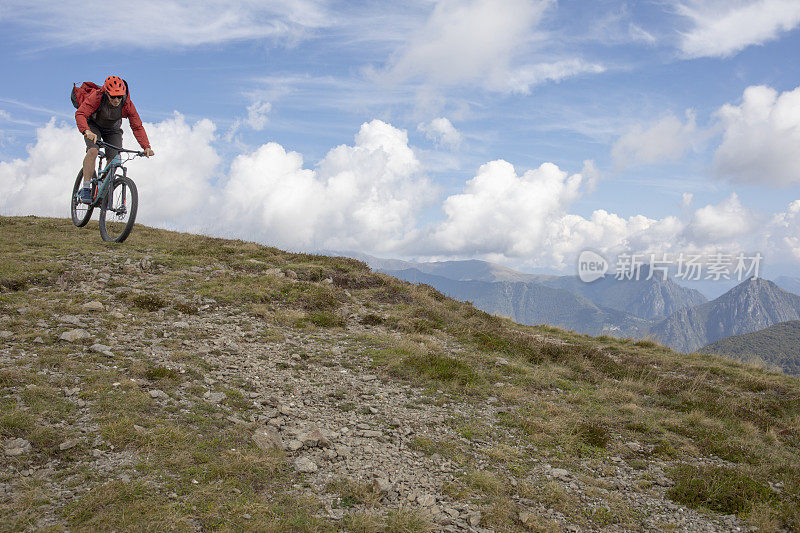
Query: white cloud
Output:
(761,138)
(513,217)
(721,223)
(686,199)
(41,184)
(175,186)
(504,215)
(611,234)
(468,41)
(257,118)
(722,28)
(666,140)
(521,79)
(165,23)
(783,233)
(364,196)
(500,211)
(257,115)
(368,196)
(441,131)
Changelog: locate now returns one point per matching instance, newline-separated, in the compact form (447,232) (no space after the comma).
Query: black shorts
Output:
(110,136)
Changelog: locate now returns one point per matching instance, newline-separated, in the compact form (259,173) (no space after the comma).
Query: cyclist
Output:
(100,116)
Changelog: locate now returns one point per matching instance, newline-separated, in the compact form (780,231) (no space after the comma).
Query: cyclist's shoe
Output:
(86,195)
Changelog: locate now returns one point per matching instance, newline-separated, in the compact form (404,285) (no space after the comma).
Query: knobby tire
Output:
(81,213)
(113,227)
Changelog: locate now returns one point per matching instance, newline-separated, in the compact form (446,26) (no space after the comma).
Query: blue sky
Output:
(521,131)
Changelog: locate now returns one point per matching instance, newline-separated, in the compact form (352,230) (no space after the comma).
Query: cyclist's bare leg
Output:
(88,165)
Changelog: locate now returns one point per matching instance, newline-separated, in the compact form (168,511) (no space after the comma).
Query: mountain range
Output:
(533,303)
(658,308)
(750,306)
(644,298)
(469,270)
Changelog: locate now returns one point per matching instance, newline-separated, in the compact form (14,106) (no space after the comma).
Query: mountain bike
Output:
(113,192)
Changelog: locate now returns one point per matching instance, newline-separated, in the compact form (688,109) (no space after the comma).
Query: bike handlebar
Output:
(118,149)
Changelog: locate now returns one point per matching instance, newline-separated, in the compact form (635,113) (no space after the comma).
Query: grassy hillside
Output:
(776,347)
(179,382)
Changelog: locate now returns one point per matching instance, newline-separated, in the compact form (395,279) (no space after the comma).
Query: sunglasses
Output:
(115,97)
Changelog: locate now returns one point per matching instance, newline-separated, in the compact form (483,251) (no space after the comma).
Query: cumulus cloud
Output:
(501,211)
(722,28)
(41,183)
(761,138)
(363,196)
(177,23)
(525,217)
(666,140)
(368,195)
(722,222)
(176,186)
(442,132)
(611,234)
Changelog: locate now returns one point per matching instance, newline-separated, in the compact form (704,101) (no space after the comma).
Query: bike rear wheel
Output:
(81,213)
(118,212)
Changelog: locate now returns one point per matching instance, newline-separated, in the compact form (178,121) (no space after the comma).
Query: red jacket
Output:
(92,102)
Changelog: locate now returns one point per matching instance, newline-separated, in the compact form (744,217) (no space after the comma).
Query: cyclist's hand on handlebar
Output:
(90,136)
(148,152)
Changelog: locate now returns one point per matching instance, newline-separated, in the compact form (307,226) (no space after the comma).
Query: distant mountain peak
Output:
(754,304)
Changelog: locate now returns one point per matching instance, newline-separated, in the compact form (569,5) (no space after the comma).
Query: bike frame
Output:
(105,176)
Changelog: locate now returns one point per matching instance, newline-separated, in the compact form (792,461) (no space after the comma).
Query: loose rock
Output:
(68,445)
(15,447)
(74,335)
(305,465)
(268,438)
(93,307)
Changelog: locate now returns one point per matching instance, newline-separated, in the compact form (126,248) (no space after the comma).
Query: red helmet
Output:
(114,86)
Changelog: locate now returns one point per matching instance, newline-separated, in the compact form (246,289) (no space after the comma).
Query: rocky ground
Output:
(358,438)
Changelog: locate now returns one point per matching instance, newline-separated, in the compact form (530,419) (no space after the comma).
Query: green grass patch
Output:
(425,366)
(721,489)
(324,319)
(594,434)
(148,302)
(186,309)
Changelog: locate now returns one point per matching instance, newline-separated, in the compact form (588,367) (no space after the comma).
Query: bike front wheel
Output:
(118,212)
(81,213)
